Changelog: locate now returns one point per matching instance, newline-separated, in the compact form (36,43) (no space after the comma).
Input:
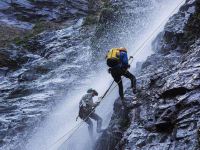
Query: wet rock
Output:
(6,61)
(107,14)
(174,92)
(12,58)
(7,109)
(42,10)
(120,120)
(18,92)
(168,82)
(44,64)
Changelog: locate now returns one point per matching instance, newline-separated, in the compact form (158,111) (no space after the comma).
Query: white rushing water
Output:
(63,118)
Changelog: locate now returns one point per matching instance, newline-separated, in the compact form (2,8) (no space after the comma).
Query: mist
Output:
(52,132)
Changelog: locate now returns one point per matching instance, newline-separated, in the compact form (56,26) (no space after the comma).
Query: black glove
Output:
(128,66)
(109,70)
(96,104)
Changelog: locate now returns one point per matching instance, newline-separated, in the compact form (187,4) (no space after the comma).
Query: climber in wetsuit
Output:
(117,60)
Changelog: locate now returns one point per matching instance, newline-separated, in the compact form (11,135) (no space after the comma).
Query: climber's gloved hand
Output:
(96,104)
(99,99)
(131,57)
(109,70)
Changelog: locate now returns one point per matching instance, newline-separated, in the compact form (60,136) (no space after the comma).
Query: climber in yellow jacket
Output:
(117,60)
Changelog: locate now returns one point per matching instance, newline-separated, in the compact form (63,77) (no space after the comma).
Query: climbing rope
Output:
(109,90)
(141,47)
(73,130)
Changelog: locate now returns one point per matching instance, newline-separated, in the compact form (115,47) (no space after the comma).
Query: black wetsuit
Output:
(121,69)
(117,73)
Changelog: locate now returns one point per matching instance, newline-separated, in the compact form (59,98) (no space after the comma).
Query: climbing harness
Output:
(110,90)
(102,97)
(73,130)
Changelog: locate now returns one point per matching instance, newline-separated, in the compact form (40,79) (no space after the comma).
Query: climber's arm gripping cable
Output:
(102,97)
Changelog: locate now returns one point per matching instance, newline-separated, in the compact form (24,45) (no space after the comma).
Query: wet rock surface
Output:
(25,13)
(120,121)
(35,75)
(169,91)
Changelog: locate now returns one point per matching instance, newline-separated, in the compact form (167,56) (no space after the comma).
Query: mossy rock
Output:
(107,3)
(45,26)
(107,14)
(91,19)
(9,33)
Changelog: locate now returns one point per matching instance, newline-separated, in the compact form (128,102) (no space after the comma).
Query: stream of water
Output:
(63,118)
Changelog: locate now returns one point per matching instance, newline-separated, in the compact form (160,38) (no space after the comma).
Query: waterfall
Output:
(63,118)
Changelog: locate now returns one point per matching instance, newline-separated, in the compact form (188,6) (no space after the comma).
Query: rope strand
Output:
(108,92)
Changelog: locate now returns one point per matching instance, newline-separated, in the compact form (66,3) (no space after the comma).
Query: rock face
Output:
(169,90)
(23,13)
(120,121)
(35,76)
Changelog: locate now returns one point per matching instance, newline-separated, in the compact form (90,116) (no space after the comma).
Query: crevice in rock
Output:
(174,92)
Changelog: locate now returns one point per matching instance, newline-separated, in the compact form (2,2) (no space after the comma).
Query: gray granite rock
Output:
(168,89)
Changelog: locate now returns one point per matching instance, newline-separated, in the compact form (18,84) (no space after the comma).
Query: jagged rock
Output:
(120,120)
(37,72)
(7,62)
(12,58)
(168,85)
(32,11)
(56,60)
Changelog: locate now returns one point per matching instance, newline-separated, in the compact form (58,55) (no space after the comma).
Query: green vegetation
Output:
(8,34)
(91,19)
(103,11)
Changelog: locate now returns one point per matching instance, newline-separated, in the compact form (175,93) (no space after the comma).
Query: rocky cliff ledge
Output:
(168,89)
